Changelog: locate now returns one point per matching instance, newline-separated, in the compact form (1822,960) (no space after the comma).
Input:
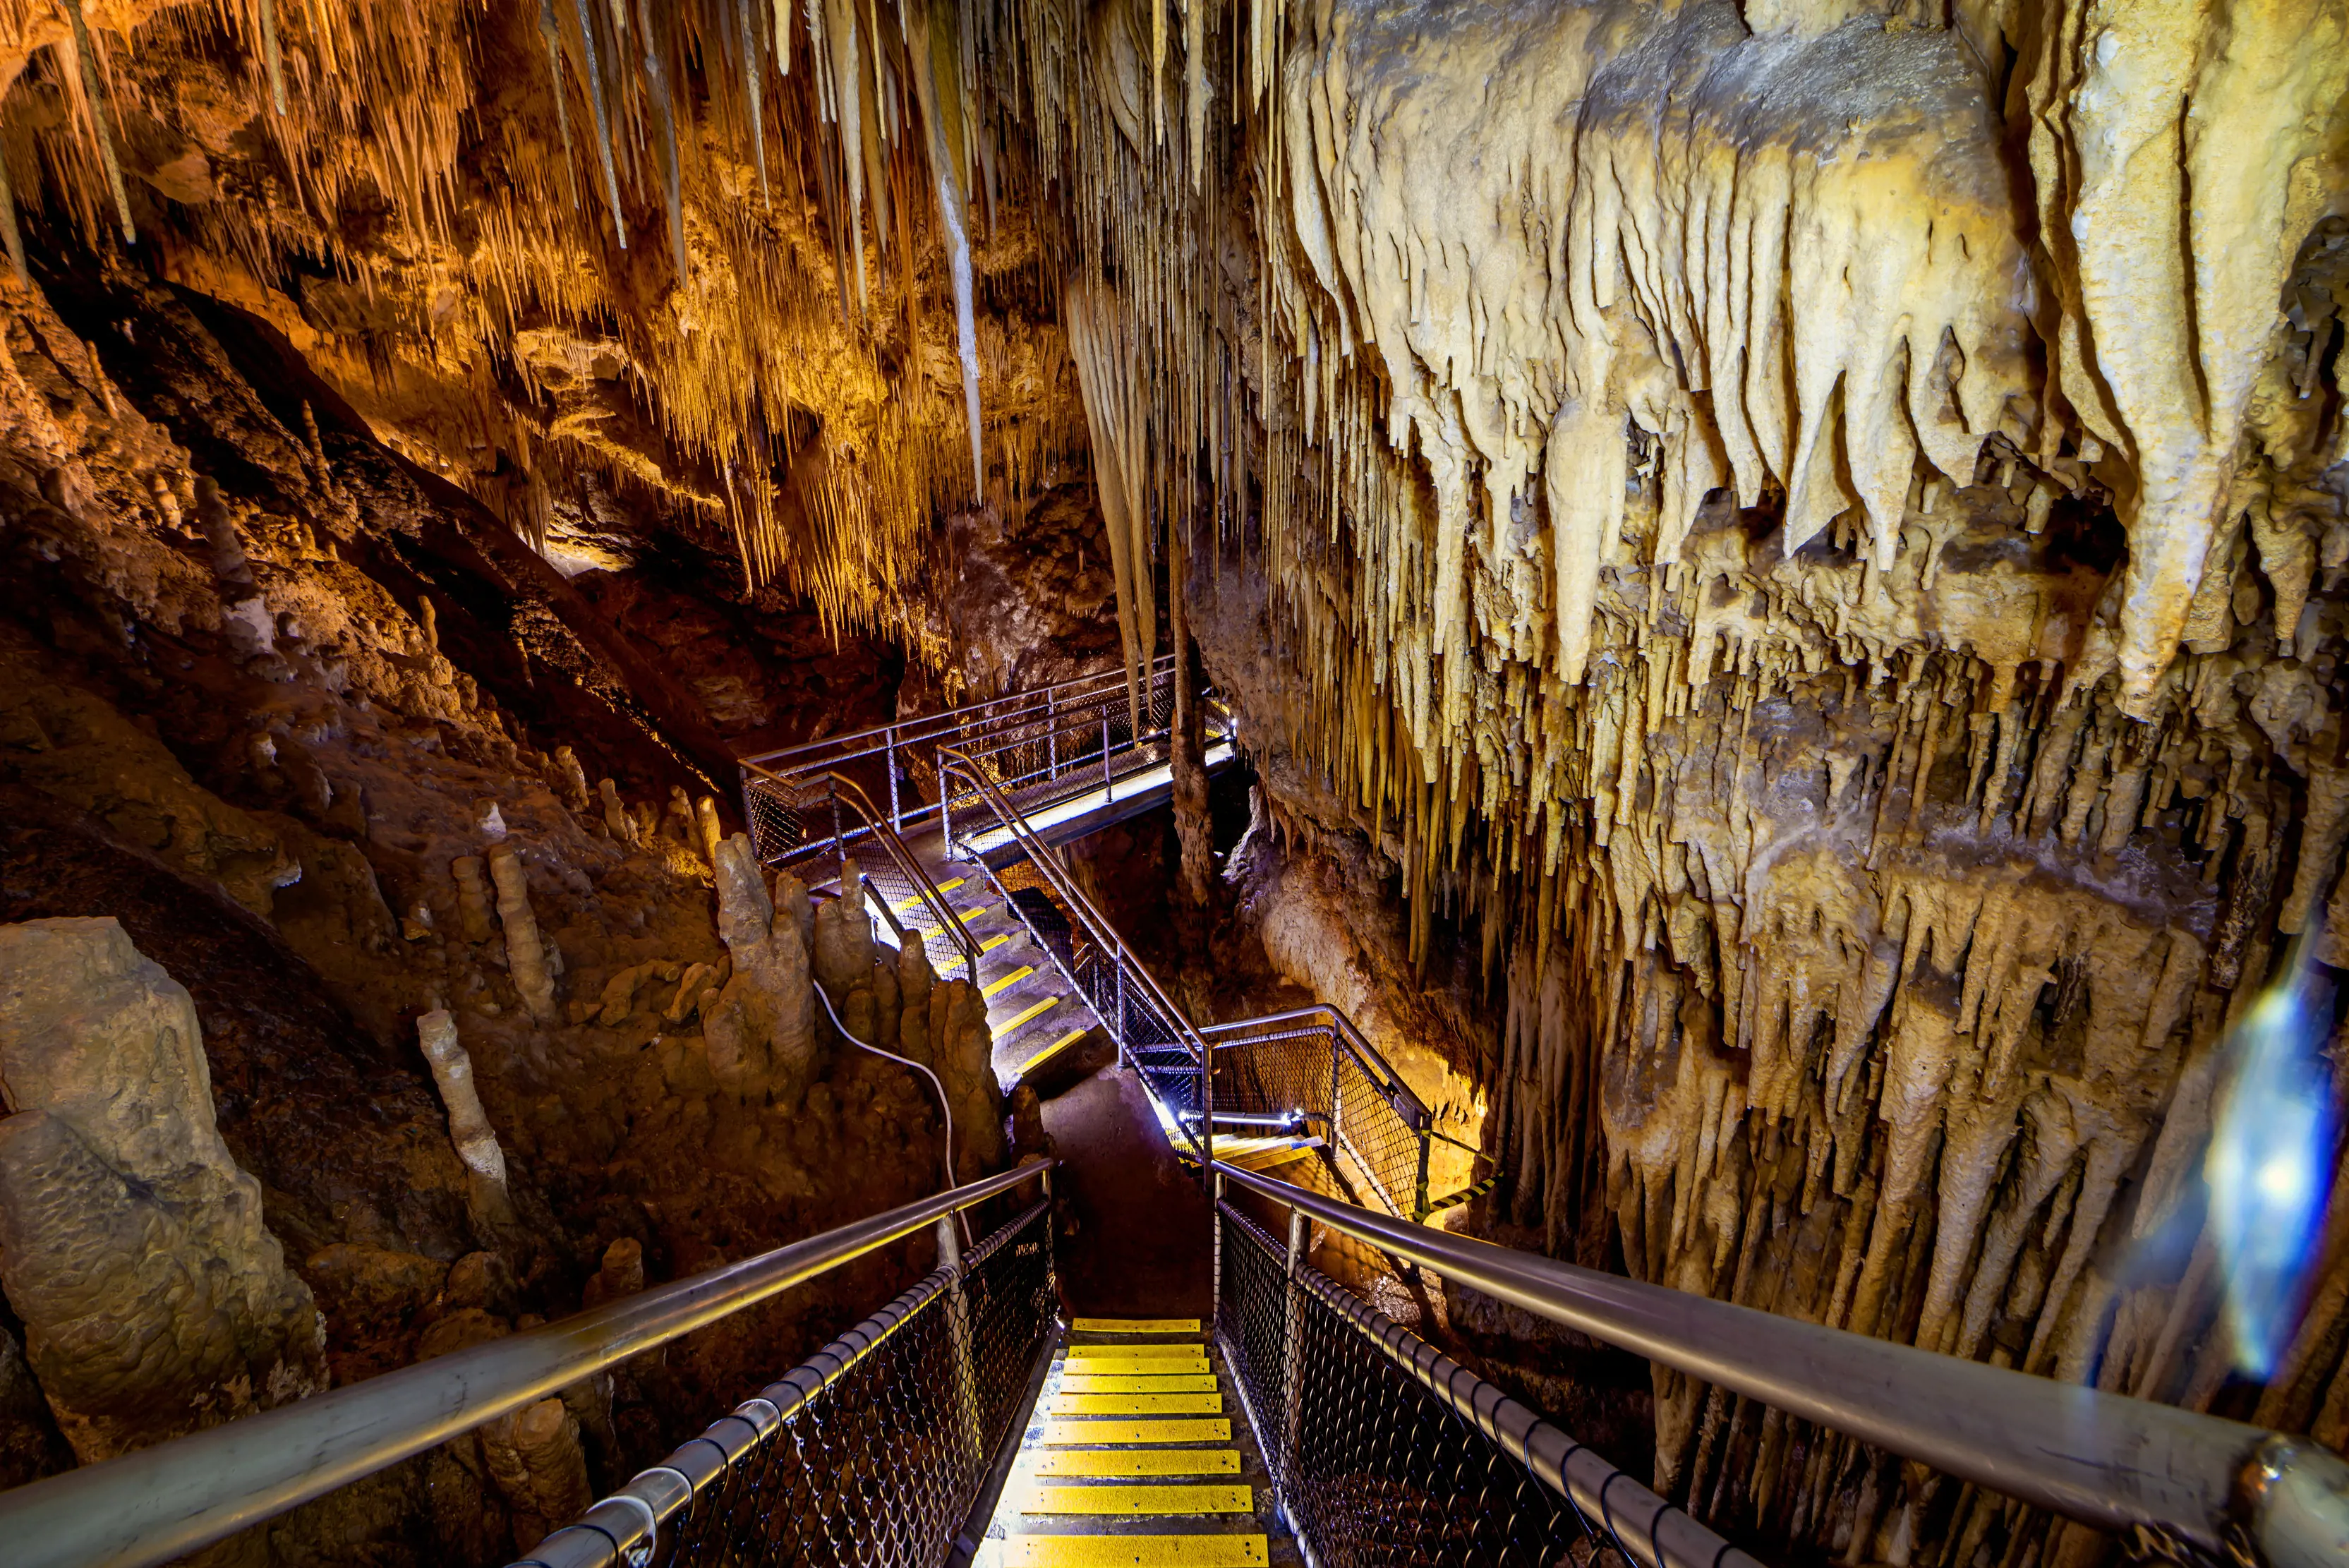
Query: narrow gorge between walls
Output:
(1777,572)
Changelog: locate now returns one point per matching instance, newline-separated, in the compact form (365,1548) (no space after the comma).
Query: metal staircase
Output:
(974,1420)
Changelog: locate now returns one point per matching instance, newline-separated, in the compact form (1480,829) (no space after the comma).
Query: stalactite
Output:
(553,36)
(271,58)
(597,93)
(657,89)
(752,15)
(101,119)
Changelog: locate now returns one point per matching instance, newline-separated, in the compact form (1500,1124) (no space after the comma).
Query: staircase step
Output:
(1078,1382)
(1136,1551)
(1100,1433)
(1009,980)
(1096,1367)
(1048,1052)
(1105,1463)
(1208,1404)
(1137,1353)
(1035,1011)
(1137,1326)
(1140,1501)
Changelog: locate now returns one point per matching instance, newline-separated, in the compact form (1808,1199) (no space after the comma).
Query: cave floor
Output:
(1140,1243)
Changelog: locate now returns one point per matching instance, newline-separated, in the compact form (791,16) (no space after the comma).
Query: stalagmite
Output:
(535,1458)
(473,898)
(616,813)
(705,816)
(528,959)
(452,1071)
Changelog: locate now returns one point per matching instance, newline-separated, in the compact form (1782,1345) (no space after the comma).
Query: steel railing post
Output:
(1207,1105)
(946,821)
(1051,738)
(1292,1356)
(1109,785)
(1419,1206)
(1121,1011)
(896,821)
(959,1334)
(1336,1095)
(1215,1282)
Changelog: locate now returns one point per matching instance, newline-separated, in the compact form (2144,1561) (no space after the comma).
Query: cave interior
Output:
(1748,597)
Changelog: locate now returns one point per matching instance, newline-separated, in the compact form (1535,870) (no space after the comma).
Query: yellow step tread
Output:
(1139,1383)
(1137,1367)
(1136,1551)
(1137,1325)
(1106,1433)
(901,905)
(1208,1404)
(1139,1500)
(1054,1049)
(1107,1462)
(1009,1024)
(1014,978)
(1135,1352)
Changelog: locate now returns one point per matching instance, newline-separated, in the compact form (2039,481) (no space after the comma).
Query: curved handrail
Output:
(166,1502)
(848,790)
(1366,1055)
(1097,926)
(2106,1459)
(993,710)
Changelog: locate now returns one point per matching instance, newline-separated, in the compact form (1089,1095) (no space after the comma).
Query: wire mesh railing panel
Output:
(1011,1300)
(1251,1297)
(1371,1152)
(872,1452)
(865,1469)
(908,911)
(1374,1469)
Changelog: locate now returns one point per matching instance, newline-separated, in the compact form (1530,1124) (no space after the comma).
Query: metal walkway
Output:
(972,1420)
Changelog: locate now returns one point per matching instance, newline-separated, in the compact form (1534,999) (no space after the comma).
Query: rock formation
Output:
(132,1246)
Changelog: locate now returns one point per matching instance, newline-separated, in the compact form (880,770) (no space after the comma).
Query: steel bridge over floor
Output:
(976,1418)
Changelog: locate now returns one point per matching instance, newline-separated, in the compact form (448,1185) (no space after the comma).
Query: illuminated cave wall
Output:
(1778,562)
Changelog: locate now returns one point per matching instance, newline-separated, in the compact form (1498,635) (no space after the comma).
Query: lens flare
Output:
(2270,1163)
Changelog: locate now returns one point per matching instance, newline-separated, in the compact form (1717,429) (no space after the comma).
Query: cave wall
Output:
(349,785)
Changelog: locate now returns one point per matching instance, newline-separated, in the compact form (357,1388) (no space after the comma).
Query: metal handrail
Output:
(625,1526)
(1097,926)
(166,1502)
(2104,1460)
(994,709)
(1381,1074)
(1649,1530)
(850,791)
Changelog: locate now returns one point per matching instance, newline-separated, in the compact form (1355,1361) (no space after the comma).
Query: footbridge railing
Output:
(860,827)
(1046,745)
(2179,1486)
(929,1385)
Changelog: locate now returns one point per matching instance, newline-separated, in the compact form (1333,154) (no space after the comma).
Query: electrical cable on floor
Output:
(961,1218)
